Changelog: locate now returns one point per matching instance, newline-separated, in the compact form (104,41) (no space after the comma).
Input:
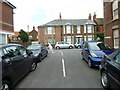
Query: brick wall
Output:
(109,23)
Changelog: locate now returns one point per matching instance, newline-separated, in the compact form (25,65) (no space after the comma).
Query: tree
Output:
(100,36)
(23,36)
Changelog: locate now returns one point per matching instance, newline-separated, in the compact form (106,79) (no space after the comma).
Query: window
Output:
(89,28)
(69,39)
(30,37)
(68,27)
(116,38)
(115,9)
(2,38)
(117,58)
(84,28)
(78,29)
(23,51)
(11,51)
(49,30)
(51,40)
(90,38)
(63,29)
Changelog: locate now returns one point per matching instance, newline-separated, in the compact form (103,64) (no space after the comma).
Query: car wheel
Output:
(57,47)
(70,47)
(89,63)
(33,66)
(104,80)
(5,85)
(79,46)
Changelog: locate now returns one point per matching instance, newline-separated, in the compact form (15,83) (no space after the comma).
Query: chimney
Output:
(33,27)
(60,17)
(89,16)
(94,16)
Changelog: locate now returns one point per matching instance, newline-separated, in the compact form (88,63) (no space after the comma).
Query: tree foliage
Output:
(100,36)
(23,36)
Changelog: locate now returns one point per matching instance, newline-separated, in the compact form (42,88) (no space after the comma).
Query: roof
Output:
(62,22)
(8,3)
(99,21)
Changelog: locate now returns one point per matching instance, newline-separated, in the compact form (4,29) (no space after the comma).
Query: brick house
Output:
(33,34)
(112,23)
(99,22)
(68,30)
(6,20)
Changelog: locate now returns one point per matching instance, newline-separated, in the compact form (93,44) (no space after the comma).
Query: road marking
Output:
(61,53)
(63,64)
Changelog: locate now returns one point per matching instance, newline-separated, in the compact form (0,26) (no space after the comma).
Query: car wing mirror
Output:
(29,53)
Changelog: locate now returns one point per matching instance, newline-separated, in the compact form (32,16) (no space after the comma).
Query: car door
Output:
(14,62)
(85,51)
(27,59)
(113,68)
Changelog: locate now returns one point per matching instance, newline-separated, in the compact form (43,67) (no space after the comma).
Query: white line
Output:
(63,64)
(61,53)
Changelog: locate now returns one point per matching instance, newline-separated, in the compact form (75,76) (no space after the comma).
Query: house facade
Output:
(68,30)
(6,20)
(33,34)
(112,23)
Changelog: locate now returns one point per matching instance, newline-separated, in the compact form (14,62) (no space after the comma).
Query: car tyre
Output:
(5,85)
(70,47)
(104,80)
(79,46)
(57,47)
(33,66)
(89,63)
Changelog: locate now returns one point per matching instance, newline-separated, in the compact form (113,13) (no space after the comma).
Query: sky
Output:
(29,13)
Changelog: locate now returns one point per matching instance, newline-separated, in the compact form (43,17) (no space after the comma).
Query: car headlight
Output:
(36,54)
(94,55)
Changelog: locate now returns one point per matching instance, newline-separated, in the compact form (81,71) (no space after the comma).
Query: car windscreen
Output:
(34,47)
(99,46)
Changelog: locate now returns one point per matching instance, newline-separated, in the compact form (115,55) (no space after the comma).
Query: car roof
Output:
(35,44)
(5,45)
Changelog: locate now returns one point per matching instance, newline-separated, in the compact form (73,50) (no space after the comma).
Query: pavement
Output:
(62,68)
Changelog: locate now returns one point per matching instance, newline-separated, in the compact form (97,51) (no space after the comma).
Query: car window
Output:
(60,43)
(11,51)
(86,45)
(117,58)
(34,47)
(23,51)
(1,54)
(99,46)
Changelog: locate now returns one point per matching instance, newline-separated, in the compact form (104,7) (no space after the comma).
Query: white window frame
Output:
(78,29)
(85,29)
(115,9)
(68,29)
(89,27)
(50,30)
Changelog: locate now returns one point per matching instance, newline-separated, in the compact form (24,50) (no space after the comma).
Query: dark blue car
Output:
(94,51)
(39,51)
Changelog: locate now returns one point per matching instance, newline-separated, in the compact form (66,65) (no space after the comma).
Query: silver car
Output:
(63,45)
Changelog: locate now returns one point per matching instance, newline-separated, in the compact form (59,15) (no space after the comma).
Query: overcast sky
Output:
(38,12)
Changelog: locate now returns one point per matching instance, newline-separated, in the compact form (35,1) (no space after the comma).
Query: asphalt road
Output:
(62,68)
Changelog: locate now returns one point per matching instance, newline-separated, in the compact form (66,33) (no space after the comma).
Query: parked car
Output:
(15,62)
(60,45)
(39,51)
(110,70)
(93,52)
(80,45)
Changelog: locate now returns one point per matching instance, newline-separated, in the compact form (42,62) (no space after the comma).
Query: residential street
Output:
(62,68)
